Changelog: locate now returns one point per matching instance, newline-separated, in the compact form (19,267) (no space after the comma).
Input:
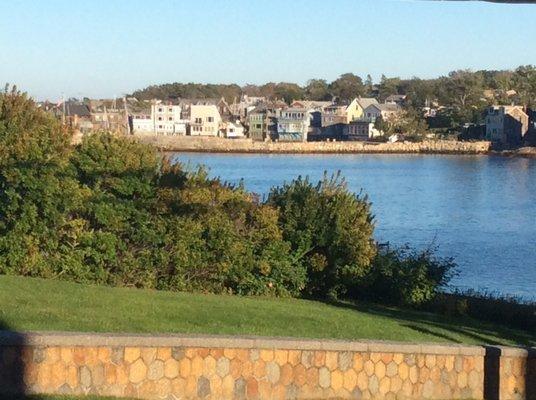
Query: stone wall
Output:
(209,367)
(517,374)
(207,144)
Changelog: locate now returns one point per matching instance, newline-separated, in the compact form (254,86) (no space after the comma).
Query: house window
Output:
(160,118)
(170,109)
(210,119)
(198,120)
(170,118)
(160,110)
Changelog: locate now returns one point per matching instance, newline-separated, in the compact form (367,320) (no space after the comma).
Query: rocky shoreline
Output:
(529,152)
(219,145)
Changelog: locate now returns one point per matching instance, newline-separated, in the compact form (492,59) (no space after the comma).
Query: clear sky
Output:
(102,48)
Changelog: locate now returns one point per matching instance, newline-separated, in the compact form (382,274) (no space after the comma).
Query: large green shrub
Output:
(148,223)
(37,188)
(121,235)
(330,229)
(404,276)
(224,240)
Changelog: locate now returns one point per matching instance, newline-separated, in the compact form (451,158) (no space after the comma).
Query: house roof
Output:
(261,108)
(386,107)
(389,107)
(200,102)
(80,110)
(364,102)
(395,97)
(269,105)
(310,103)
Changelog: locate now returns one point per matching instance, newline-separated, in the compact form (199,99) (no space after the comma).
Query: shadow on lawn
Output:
(440,326)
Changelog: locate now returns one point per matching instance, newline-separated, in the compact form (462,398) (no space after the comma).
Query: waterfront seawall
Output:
(225,367)
(220,145)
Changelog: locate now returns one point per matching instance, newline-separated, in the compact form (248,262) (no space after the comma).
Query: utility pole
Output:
(63,107)
(127,125)
(106,124)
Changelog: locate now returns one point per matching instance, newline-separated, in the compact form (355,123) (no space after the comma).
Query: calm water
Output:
(481,210)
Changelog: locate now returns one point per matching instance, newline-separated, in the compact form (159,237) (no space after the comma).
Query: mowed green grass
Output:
(28,304)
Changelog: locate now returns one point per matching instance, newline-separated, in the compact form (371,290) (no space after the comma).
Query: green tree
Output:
(317,89)
(288,92)
(222,240)
(383,126)
(369,86)
(465,88)
(37,188)
(524,81)
(388,86)
(347,87)
(330,229)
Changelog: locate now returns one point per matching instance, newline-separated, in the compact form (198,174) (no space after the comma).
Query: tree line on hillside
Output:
(465,92)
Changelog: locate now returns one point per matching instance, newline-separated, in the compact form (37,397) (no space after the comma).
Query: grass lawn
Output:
(36,304)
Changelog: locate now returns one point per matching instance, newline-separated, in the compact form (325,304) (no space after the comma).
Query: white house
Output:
(167,119)
(234,130)
(164,119)
(142,123)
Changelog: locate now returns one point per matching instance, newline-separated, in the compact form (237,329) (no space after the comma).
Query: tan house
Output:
(221,105)
(205,120)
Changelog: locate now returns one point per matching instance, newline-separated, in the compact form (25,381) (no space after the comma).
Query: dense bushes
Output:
(403,276)
(37,187)
(222,239)
(499,309)
(112,211)
(328,227)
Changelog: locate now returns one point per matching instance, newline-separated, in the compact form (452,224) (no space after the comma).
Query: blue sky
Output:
(102,48)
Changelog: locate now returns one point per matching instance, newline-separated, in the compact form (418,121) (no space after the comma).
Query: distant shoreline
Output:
(247,146)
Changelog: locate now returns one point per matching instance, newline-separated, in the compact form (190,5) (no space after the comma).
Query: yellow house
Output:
(346,113)
(205,120)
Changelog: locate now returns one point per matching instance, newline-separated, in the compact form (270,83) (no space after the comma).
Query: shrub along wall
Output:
(203,367)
